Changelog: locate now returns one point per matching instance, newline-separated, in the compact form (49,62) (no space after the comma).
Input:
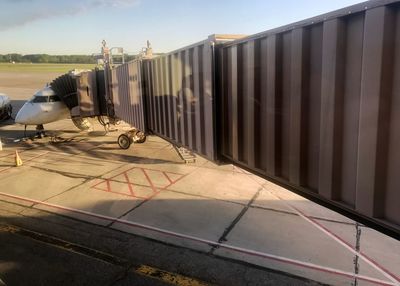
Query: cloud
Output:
(16,13)
(115,3)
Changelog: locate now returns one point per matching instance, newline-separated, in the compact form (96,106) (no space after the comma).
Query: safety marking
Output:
(168,277)
(395,279)
(143,270)
(141,184)
(250,252)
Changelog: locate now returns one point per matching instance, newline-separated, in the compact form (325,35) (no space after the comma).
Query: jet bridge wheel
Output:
(124,141)
(139,137)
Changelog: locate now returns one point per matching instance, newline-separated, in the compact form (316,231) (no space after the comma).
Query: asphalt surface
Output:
(40,248)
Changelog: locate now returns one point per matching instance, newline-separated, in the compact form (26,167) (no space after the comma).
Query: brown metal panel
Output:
(273,57)
(146,79)
(296,105)
(249,90)
(373,111)
(154,95)
(207,92)
(114,82)
(181,101)
(207,144)
(242,116)
(151,97)
(272,60)
(226,102)
(188,98)
(163,94)
(312,108)
(158,95)
(351,105)
(197,102)
(167,95)
(127,94)
(260,105)
(283,109)
(87,94)
(178,88)
(123,74)
(234,97)
(138,73)
(392,197)
(174,86)
(331,106)
(322,100)
(192,105)
(181,97)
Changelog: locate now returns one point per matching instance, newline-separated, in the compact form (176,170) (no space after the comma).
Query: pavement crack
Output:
(122,275)
(65,174)
(225,234)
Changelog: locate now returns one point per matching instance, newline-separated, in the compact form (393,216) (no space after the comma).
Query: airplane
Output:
(45,107)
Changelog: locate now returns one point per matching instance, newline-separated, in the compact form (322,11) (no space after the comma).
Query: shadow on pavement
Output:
(41,248)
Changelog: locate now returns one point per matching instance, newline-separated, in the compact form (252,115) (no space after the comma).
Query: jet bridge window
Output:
(54,98)
(40,99)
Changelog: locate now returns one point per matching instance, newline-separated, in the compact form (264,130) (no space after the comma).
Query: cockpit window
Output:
(40,99)
(53,98)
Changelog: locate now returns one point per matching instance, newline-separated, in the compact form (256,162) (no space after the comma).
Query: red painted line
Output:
(6,155)
(40,155)
(367,259)
(108,185)
(129,184)
(306,265)
(101,181)
(5,169)
(162,171)
(168,178)
(12,153)
(97,188)
(158,190)
(148,179)
(349,245)
(209,242)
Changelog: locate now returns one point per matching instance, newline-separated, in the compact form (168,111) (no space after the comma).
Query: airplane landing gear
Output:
(39,130)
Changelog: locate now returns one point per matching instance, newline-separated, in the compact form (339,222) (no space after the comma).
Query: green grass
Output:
(57,68)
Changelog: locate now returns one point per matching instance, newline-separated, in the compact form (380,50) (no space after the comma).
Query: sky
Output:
(79,26)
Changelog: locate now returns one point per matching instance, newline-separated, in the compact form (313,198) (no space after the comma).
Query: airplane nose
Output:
(21,116)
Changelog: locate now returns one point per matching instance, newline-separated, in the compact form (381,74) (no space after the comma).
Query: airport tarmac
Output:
(219,210)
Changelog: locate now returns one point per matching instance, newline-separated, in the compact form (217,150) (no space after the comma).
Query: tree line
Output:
(53,59)
(44,58)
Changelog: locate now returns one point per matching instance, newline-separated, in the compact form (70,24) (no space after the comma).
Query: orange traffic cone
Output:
(18,161)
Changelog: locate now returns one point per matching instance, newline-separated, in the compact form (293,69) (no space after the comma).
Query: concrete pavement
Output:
(220,210)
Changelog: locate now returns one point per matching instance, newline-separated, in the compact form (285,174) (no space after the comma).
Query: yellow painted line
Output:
(168,277)
(8,228)
(143,270)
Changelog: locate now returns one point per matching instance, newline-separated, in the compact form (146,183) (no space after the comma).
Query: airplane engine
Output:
(82,123)
(5,107)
